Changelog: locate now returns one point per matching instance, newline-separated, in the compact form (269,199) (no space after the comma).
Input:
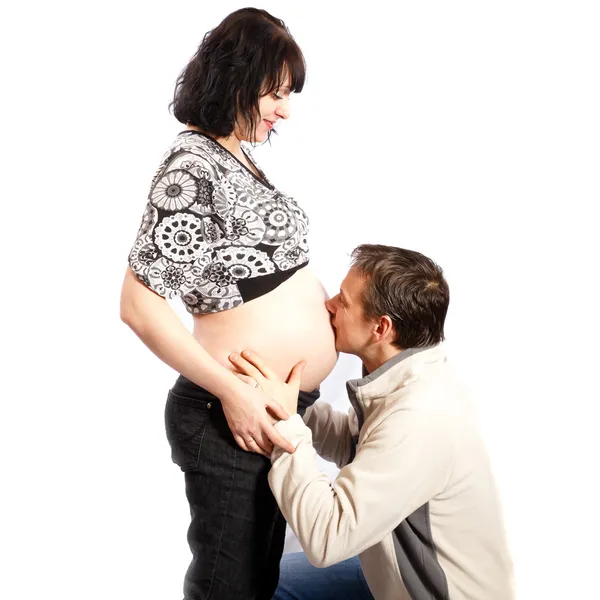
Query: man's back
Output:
(452,545)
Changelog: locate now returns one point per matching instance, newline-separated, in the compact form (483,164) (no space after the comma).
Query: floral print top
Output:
(213,233)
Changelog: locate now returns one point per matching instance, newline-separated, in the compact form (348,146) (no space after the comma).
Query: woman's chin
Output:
(260,137)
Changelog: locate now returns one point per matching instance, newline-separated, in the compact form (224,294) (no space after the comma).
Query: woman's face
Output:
(272,107)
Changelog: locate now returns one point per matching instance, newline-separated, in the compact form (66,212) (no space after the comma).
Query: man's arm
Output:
(401,464)
(332,437)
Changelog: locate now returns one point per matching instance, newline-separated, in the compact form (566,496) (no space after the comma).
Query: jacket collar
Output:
(365,392)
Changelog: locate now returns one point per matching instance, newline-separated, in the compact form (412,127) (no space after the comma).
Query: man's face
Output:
(352,330)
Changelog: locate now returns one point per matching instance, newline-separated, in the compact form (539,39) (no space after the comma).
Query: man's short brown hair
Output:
(406,286)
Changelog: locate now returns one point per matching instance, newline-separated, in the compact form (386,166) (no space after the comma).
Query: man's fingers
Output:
(277,409)
(279,440)
(259,363)
(245,367)
(247,379)
(296,374)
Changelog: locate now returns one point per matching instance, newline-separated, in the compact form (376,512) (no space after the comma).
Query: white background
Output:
(466,130)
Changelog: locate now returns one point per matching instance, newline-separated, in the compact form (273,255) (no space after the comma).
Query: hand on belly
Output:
(286,326)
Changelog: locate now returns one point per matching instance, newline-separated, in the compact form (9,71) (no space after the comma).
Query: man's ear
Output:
(384,329)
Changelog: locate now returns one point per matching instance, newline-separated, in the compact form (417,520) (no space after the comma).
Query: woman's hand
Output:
(251,425)
(256,373)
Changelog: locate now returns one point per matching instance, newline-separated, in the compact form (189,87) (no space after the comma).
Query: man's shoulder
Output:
(434,403)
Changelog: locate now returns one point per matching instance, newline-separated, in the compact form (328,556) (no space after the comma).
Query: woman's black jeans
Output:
(237,531)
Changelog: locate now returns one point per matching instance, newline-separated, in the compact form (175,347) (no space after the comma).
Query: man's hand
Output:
(256,372)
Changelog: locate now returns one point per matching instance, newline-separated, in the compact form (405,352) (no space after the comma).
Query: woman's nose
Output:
(283,110)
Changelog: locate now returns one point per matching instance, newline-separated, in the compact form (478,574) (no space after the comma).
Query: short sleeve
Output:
(193,234)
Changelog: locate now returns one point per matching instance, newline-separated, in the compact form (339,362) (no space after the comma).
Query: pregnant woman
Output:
(218,234)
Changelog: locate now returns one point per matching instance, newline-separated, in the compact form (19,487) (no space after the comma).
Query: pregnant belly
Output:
(285,326)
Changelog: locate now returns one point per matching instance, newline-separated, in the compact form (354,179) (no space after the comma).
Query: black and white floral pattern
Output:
(279,219)
(174,190)
(209,223)
(179,237)
(148,220)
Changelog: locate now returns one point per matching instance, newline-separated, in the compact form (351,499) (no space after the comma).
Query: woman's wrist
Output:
(229,387)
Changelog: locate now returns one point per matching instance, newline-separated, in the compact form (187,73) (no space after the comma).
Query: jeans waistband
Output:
(185,387)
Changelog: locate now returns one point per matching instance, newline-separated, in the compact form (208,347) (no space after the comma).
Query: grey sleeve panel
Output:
(353,449)
(417,559)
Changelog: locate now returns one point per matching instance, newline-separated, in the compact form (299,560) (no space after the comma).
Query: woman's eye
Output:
(277,96)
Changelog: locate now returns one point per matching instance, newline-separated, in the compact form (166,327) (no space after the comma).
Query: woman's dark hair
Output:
(408,287)
(247,56)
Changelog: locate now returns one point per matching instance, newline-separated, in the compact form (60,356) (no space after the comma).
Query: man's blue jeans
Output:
(299,580)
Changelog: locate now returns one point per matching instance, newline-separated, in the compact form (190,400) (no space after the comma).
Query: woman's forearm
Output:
(161,330)
(156,324)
